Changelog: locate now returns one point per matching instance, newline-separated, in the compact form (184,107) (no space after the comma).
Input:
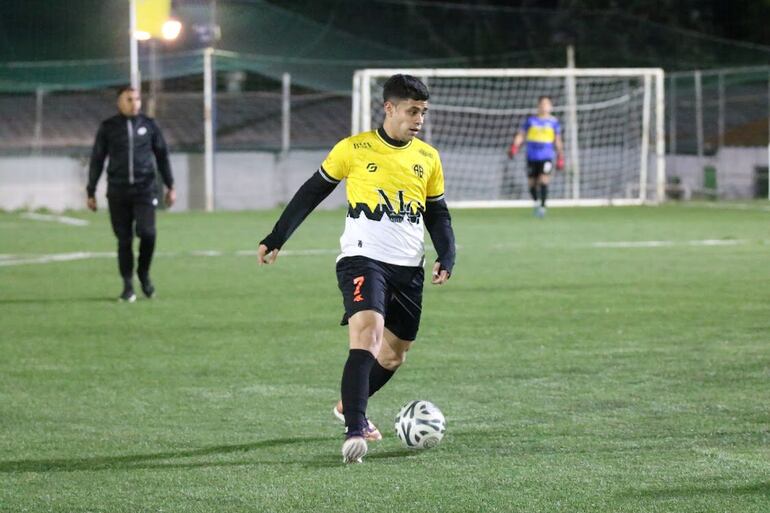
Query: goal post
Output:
(612,126)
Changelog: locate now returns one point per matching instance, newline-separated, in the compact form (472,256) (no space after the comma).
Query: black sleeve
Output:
(98,154)
(160,150)
(439,225)
(309,196)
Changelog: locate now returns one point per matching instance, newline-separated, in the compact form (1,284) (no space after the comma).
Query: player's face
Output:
(129,103)
(545,107)
(404,119)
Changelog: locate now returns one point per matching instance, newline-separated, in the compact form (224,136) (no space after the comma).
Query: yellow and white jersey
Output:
(387,190)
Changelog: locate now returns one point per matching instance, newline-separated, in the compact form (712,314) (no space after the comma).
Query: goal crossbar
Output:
(592,102)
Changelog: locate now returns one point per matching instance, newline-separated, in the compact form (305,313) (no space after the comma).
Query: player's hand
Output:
(440,276)
(560,163)
(266,257)
(91,204)
(170,197)
(512,151)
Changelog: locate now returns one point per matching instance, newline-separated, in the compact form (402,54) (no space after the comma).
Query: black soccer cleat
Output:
(148,288)
(127,296)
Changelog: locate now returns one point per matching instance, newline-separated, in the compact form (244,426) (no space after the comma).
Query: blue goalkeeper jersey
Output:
(540,134)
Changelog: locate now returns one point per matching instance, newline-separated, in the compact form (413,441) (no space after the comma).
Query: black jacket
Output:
(130,143)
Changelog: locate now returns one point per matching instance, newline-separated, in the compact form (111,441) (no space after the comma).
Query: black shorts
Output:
(536,168)
(395,291)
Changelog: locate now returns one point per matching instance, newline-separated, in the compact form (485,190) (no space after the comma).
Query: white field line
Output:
(7,260)
(292,252)
(668,243)
(72,221)
(728,206)
(717,242)
(633,244)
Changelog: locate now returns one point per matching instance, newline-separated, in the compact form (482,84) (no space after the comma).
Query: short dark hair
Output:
(123,89)
(404,87)
(543,97)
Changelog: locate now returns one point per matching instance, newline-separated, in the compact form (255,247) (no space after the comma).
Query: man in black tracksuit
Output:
(131,140)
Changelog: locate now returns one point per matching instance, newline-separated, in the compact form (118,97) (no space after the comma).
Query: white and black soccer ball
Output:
(420,425)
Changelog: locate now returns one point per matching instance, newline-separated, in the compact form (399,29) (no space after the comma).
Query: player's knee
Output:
(125,240)
(368,336)
(392,360)
(145,232)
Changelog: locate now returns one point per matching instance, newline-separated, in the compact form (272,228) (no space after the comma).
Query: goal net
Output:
(611,119)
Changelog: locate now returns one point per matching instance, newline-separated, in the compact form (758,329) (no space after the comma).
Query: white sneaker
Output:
(354,449)
(371,433)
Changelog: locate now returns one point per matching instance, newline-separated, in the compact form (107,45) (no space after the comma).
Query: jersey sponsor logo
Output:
(371,167)
(362,146)
(418,170)
(425,153)
(541,134)
(404,211)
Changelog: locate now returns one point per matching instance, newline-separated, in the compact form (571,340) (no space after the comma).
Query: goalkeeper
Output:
(542,133)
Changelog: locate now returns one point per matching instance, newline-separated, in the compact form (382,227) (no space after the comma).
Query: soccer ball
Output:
(420,425)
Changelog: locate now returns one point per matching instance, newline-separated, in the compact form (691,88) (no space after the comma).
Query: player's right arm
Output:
(306,199)
(518,139)
(98,155)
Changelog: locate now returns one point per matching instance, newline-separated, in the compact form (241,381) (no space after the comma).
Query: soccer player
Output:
(134,143)
(542,133)
(395,184)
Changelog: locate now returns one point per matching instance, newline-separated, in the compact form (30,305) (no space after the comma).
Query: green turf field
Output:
(577,373)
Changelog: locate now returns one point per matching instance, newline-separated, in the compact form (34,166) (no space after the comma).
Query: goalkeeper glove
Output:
(513,150)
(560,163)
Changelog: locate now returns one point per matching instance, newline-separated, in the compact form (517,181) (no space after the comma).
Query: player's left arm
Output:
(438,221)
(160,150)
(559,145)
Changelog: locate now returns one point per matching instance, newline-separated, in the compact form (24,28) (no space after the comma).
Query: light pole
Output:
(155,21)
(133,45)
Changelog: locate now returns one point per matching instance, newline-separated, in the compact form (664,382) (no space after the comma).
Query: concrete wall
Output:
(735,168)
(243,180)
(259,180)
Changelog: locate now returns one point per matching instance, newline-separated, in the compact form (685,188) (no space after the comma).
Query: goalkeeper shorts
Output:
(536,168)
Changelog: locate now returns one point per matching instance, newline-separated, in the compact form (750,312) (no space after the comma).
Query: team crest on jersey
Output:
(418,170)
(141,131)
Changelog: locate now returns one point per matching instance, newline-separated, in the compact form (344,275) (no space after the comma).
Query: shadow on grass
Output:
(148,461)
(692,491)
(336,461)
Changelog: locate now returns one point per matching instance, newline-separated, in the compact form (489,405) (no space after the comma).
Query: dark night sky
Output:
(743,20)
(46,29)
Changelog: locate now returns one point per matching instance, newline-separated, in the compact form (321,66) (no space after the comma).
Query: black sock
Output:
(126,260)
(355,388)
(533,192)
(543,193)
(378,377)
(146,249)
